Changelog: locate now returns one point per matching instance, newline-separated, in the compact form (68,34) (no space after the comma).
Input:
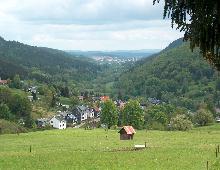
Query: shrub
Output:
(203,117)
(156,126)
(180,122)
(10,127)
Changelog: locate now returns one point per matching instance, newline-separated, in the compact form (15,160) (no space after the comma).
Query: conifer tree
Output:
(200,20)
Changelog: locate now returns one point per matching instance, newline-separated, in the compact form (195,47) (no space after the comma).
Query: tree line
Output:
(157,117)
(175,76)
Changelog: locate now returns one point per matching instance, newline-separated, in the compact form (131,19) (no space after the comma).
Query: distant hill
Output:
(118,53)
(175,75)
(44,64)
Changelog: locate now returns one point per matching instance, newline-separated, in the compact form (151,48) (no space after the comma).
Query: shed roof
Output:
(128,129)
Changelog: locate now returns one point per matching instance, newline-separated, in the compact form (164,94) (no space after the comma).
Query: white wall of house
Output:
(57,123)
(91,114)
(84,116)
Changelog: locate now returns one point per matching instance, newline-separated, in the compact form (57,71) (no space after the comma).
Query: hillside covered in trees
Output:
(43,64)
(176,75)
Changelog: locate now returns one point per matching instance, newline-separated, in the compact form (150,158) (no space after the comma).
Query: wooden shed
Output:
(127,133)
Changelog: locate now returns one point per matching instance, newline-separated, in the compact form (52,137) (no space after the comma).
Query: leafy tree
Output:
(53,101)
(16,82)
(5,94)
(180,122)
(203,27)
(20,106)
(218,84)
(50,98)
(65,91)
(203,117)
(160,113)
(34,96)
(5,112)
(74,101)
(29,122)
(43,89)
(109,114)
(133,114)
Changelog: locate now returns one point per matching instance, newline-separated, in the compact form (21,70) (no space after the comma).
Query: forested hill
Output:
(176,75)
(44,64)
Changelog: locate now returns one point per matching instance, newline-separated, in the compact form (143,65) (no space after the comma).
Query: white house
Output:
(90,114)
(217,119)
(30,98)
(58,122)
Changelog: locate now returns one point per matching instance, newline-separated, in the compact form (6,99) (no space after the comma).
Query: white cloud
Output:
(86,24)
(84,12)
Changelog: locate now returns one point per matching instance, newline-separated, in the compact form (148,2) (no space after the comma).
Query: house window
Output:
(51,121)
(60,125)
(63,124)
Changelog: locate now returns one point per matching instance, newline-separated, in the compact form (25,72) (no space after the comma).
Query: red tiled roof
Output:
(104,98)
(3,81)
(129,129)
(96,109)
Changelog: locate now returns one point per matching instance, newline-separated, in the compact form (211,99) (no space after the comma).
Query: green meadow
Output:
(100,149)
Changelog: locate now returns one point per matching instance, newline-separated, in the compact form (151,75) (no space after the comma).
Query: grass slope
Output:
(90,149)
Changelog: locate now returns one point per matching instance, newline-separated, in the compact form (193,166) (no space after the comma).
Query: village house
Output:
(32,89)
(120,104)
(95,99)
(154,101)
(96,111)
(58,122)
(3,82)
(82,113)
(42,122)
(217,119)
(80,98)
(30,98)
(68,116)
(104,98)
(127,133)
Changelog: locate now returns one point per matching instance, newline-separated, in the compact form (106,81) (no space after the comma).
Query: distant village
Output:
(111,60)
(79,116)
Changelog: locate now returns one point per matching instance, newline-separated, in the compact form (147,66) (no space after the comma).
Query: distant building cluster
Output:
(110,59)
(79,115)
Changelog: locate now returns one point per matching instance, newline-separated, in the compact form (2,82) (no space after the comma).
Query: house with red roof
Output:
(104,98)
(3,82)
(127,133)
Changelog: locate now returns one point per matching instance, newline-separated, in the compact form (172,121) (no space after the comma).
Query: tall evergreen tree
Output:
(200,20)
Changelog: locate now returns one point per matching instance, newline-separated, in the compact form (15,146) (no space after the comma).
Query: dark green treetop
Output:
(200,20)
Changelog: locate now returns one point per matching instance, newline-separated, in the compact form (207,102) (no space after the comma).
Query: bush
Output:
(203,117)
(10,127)
(156,126)
(180,122)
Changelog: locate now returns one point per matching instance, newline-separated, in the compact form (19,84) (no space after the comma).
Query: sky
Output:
(87,24)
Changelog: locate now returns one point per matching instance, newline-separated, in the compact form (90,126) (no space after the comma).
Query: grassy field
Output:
(91,149)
